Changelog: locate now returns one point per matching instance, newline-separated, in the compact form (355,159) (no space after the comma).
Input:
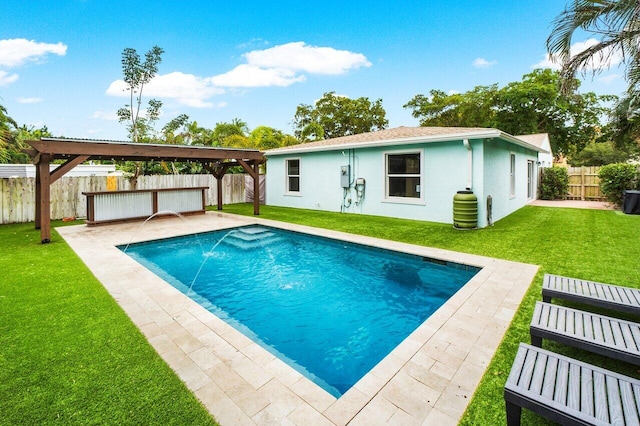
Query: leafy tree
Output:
(339,116)
(598,154)
(136,75)
(475,108)
(533,105)
(169,130)
(222,131)
(289,140)
(312,132)
(195,135)
(264,137)
(623,128)
(236,141)
(23,134)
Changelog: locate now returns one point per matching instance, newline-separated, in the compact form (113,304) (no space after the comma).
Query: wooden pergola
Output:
(76,151)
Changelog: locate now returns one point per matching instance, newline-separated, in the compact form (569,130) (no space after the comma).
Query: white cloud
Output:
(252,76)
(297,56)
(6,78)
(483,63)
(283,65)
(105,115)
(17,51)
(609,79)
(253,42)
(186,89)
(607,59)
(30,100)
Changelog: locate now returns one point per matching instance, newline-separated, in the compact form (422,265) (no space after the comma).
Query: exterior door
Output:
(531,176)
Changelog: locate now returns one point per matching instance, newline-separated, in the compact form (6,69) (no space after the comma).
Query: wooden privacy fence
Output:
(584,183)
(17,195)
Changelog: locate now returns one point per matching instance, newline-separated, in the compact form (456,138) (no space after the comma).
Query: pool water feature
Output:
(331,309)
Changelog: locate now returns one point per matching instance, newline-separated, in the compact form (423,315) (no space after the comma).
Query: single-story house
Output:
(541,140)
(406,172)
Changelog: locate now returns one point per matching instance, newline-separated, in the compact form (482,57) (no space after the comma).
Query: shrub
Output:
(615,179)
(554,183)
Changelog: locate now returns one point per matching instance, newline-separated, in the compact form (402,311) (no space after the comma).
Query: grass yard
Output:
(592,244)
(69,354)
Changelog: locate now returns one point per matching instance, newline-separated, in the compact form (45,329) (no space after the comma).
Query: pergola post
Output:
(219,189)
(44,179)
(38,185)
(254,170)
(256,188)
(43,198)
(218,171)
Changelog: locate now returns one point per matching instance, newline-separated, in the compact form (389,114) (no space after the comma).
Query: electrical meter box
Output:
(345,176)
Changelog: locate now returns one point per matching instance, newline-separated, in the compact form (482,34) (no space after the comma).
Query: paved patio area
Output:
(428,379)
(574,204)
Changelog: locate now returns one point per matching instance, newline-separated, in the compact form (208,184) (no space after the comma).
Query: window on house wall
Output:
(512,176)
(403,175)
(293,175)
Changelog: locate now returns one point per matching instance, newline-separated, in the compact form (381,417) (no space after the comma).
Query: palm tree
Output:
(6,134)
(616,24)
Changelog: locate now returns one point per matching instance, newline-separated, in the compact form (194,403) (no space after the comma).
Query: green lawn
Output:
(592,244)
(69,355)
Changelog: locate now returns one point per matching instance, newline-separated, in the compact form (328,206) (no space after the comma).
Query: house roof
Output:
(541,140)
(402,136)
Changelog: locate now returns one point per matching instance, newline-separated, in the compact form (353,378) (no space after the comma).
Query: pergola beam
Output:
(66,167)
(61,148)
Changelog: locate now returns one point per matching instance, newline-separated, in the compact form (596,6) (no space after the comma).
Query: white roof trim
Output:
(488,134)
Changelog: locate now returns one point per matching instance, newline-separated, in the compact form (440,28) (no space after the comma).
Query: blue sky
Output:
(258,60)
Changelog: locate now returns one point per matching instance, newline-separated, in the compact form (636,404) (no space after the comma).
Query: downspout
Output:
(467,145)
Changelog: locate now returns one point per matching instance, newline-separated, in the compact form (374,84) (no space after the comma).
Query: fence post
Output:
(582,183)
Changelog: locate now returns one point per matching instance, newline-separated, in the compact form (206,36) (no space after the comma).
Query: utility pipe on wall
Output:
(467,145)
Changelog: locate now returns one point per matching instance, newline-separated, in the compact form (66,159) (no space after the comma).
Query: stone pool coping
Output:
(428,379)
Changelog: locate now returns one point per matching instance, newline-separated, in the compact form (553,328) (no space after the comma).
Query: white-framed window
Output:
(403,176)
(292,166)
(512,175)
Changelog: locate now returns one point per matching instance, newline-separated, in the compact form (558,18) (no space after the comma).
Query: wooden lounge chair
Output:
(568,391)
(603,335)
(609,296)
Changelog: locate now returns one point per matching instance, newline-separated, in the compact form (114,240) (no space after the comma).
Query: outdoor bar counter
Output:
(119,206)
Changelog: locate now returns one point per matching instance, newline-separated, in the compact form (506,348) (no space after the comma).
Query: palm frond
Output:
(616,24)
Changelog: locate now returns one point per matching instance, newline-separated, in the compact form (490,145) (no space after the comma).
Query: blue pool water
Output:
(330,309)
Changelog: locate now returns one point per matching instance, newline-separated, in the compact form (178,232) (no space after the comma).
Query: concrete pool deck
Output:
(428,379)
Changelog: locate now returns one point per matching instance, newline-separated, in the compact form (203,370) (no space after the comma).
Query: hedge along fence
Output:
(17,195)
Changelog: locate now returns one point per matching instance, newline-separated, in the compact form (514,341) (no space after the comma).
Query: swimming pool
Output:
(330,309)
